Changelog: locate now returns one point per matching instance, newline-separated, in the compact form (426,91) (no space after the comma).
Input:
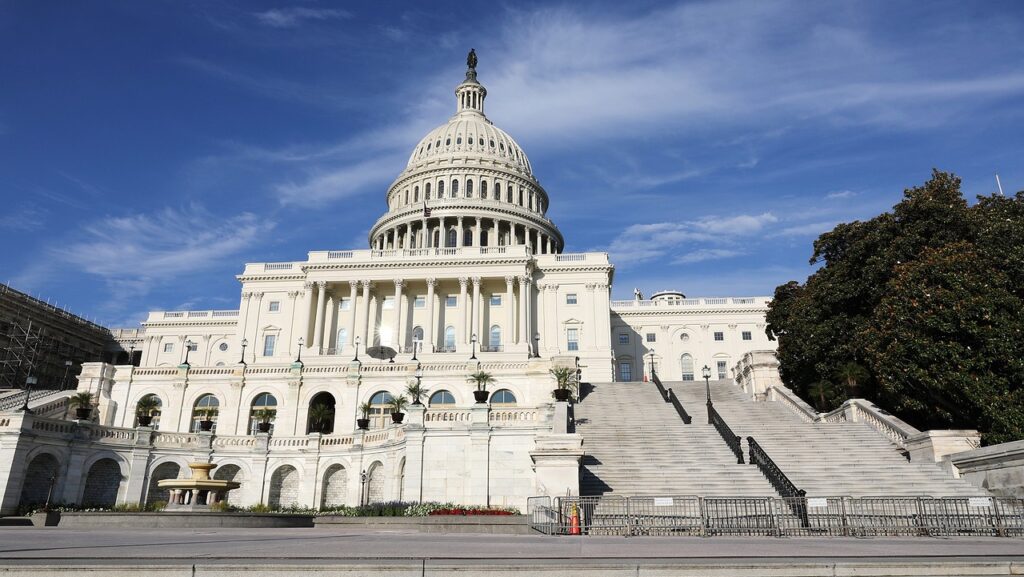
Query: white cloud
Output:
(342,182)
(688,241)
(137,253)
(809,229)
(295,16)
(23,218)
(840,194)
(704,254)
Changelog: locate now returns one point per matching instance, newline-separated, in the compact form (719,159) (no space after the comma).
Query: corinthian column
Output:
(475,318)
(353,296)
(524,298)
(461,336)
(431,323)
(510,308)
(398,335)
(318,327)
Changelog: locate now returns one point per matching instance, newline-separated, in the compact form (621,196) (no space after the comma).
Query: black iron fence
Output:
(774,516)
(730,438)
(795,497)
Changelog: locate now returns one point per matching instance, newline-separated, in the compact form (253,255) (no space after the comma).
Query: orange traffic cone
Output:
(574,521)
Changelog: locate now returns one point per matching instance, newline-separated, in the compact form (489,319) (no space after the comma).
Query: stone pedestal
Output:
(556,462)
(936,446)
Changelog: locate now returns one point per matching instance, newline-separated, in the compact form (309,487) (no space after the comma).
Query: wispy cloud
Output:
(809,229)
(703,254)
(687,242)
(24,217)
(345,181)
(840,194)
(295,16)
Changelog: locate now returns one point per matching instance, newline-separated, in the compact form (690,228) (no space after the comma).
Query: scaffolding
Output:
(23,344)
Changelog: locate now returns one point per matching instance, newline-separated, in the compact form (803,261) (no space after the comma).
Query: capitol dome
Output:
(467,184)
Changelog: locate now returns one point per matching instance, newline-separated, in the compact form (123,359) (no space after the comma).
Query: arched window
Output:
(483,189)
(469,188)
(426,192)
(407,196)
(262,410)
(520,196)
(504,397)
(342,339)
(625,370)
(494,340)
(442,398)
(417,338)
(380,409)
(149,405)
(440,189)
(687,365)
(320,418)
(205,408)
(508,193)
(416,194)
(453,238)
(449,339)
(458,139)
(455,188)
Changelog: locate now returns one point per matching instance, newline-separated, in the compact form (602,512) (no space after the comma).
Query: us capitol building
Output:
(464,273)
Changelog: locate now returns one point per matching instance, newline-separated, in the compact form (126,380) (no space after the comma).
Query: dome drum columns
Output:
(468,231)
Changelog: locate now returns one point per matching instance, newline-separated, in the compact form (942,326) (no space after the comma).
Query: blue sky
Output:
(149,149)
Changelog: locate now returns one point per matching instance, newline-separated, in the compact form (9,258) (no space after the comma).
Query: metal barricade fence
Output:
(778,516)
(739,516)
(665,515)
(811,516)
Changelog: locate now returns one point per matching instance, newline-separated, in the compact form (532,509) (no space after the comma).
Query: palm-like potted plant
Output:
(481,379)
(365,409)
(564,377)
(145,408)
(398,404)
(320,416)
(416,390)
(264,416)
(206,419)
(82,403)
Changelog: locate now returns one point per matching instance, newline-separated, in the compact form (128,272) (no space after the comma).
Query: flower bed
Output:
(471,511)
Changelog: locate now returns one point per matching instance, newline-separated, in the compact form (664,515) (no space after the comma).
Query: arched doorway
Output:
(39,476)
(375,483)
(284,487)
(102,484)
(163,471)
(320,417)
(228,473)
(335,487)
(380,410)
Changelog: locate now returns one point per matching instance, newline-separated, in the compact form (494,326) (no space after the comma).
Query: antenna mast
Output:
(999,185)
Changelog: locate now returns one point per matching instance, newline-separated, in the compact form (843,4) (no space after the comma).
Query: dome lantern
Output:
(470,94)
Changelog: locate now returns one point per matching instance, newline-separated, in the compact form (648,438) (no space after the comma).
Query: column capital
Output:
(552,287)
(510,279)
(258,295)
(308,285)
(399,283)
(293,294)
(366,284)
(476,282)
(525,280)
(321,284)
(431,282)
(463,281)
(246,295)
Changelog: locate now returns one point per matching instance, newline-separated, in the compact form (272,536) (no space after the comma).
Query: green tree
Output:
(913,309)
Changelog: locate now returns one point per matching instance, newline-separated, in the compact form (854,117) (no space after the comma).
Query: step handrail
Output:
(730,438)
(670,397)
(661,387)
(796,498)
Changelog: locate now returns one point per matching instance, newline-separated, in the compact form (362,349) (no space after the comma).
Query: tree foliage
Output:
(918,309)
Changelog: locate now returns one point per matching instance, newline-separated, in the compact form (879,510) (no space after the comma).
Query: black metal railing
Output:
(796,498)
(731,439)
(672,398)
(661,388)
(491,348)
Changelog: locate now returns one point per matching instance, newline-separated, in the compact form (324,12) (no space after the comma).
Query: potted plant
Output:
(206,420)
(398,404)
(481,379)
(263,416)
(320,416)
(416,390)
(145,408)
(365,409)
(564,377)
(82,402)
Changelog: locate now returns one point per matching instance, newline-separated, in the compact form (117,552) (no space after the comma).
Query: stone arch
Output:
(228,472)
(375,483)
(165,470)
(326,426)
(284,487)
(334,491)
(43,467)
(102,483)
(401,479)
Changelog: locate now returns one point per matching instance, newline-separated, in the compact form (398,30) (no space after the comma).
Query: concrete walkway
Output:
(45,551)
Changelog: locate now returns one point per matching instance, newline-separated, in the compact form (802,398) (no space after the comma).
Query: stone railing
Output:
(325,256)
(506,417)
(431,416)
(788,398)
(702,302)
(177,440)
(173,315)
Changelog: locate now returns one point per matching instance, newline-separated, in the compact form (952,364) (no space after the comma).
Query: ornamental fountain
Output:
(197,493)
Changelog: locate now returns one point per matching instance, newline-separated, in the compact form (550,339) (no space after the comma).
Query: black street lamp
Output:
(64,380)
(131,354)
(30,382)
(472,340)
(356,358)
(188,349)
(298,359)
(362,487)
(706,372)
(415,345)
(245,343)
(419,378)
(536,345)
(652,364)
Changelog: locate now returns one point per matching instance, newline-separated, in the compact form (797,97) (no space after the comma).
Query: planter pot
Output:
(83,413)
(480,396)
(145,420)
(46,518)
(206,426)
(561,395)
(363,424)
(263,427)
(397,417)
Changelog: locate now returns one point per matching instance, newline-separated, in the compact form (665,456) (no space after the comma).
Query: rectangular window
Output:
(345,304)
(168,347)
(623,338)
(451,301)
(389,303)
(651,337)
(625,372)
(570,299)
(573,339)
(723,372)
(193,347)
(268,345)
(274,306)
(747,336)
(420,302)
(495,300)
(719,336)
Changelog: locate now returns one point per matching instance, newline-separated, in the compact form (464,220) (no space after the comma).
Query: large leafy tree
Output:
(919,309)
